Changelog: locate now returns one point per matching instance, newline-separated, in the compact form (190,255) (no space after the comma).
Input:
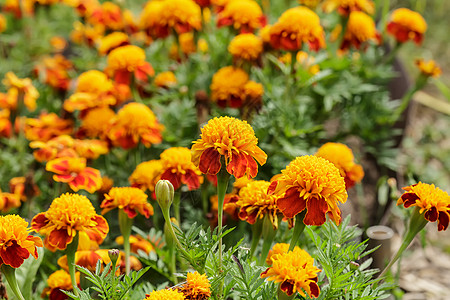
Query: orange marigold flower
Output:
(345,7)
(296,26)
(96,122)
(5,122)
(227,87)
(55,71)
(108,15)
(112,41)
(58,44)
(57,281)
(131,200)
(47,126)
(342,157)
(310,3)
(177,167)
(90,149)
(20,89)
(232,141)
(253,92)
(312,183)
(24,187)
(243,15)
(9,201)
(146,175)
(246,46)
(87,259)
(360,29)
(197,287)
(295,271)
(19,8)
(165,294)
(2,23)
(165,80)
(86,33)
(127,60)
(429,68)
(16,244)
(134,123)
(407,25)
(68,214)
(278,248)
(130,24)
(73,170)
(60,146)
(83,7)
(429,199)
(254,203)
(138,243)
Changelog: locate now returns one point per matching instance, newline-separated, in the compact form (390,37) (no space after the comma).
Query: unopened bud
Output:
(114,255)
(164,194)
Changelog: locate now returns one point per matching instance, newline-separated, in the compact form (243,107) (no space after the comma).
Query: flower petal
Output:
(291,203)
(316,211)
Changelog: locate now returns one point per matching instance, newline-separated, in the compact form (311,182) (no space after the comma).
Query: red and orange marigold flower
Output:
(429,199)
(54,71)
(131,200)
(428,68)
(112,41)
(345,7)
(16,243)
(57,281)
(246,46)
(46,127)
(342,157)
(295,271)
(9,201)
(407,25)
(230,141)
(108,14)
(146,175)
(227,87)
(243,15)
(360,29)
(165,79)
(20,90)
(69,214)
(137,243)
(197,287)
(313,184)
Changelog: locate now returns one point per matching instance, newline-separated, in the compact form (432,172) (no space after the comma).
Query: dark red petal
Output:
(39,221)
(191,180)
(237,165)
(316,210)
(432,214)
(443,220)
(314,289)
(210,161)
(287,287)
(13,255)
(291,203)
(172,177)
(59,238)
(409,199)
(131,212)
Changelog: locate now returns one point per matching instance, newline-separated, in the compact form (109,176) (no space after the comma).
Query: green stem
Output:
(298,229)
(176,206)
(125,224)
(256,236)
(419,84)
(268,234)
(70,252)
(10,275)
(205,200)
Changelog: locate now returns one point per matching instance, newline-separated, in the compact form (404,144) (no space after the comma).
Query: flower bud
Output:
(114,255)
(164,194)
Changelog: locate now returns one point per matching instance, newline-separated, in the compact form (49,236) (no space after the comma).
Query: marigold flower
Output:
(342,157)
(134,123)
(131,200)
(130,24)
(96,122)
(47,126)
(310,3)
(58,44)
(138,243)
(312,183)
(5,122)
(164,295)
(233,141)
(295,271)
(90,149)
(227,87)
(3,23)
(254,203)
(278,248)
(54,71)
(307,61)
(127,60)
(83,7)
(246,46)
(146,175)
(197,287)
(429,68)
(19,8)
(57,281)
(178,168)
(112,41)
(243,15)
(296,26)
(429,199)
(360,29)
(407,25)
(9,201)
(87,259)
(253,92)
(60,146)
(345,7)
(108,15)
(67,215)
(73,170)
(86,33)
(16,244)
(165,79)
(20,88)
(24,187)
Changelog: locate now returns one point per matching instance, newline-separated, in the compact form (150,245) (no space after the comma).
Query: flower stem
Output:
(125,224)
(256,236)
(70,252)
(10,275)
(176,206)
(298,229)
(268,234)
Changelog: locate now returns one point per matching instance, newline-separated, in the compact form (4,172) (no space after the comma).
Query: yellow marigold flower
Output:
(131,200)
(360,29)
(90,149)
(58,44)
(149,19)
(246,46)
(16,244)
(243,15)
(83,7)
(137,243)
(9,201)
(47,126)
(295,271)
(187,43)
(310,3)
(18,88)
(165,79)
(407,25)
(2,23)
(434,201)
(19,8)
(227,87)
(312,183)
(296,26)
(239,183)
(146,175)
(129,22)
(86,33)
(127,60)
(233,141)
(165,295)
(5,122)
(429,68)
(67,215)
(96,122)
(345,7)
(254,203)
(57,281)
(108,15)
(197,287)
(253,90)
(112,41)
(177,167)
(278,248)
(342,157)
(134,123)
(73,171)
